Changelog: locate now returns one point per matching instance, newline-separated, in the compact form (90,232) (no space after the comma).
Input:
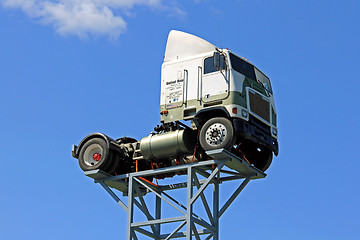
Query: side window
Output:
(209,65)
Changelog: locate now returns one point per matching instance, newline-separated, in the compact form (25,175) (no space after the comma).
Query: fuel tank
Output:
(169,144)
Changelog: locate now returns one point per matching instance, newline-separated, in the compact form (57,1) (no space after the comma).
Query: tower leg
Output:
(130,211)
(158,216)
(189,207)
(216,208)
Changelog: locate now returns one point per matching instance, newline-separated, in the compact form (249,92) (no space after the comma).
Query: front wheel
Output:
(260,156)
(217,133)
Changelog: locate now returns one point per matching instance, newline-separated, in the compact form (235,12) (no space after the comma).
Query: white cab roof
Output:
(180,45)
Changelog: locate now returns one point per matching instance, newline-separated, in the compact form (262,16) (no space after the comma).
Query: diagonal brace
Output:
(114,196)
(176,230)
(159,195)
(203,198)
(233,196)
(207,182)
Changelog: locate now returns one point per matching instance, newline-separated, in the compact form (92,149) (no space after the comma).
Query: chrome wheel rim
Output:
(215,134)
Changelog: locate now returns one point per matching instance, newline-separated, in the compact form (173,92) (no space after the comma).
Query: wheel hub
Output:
(97,156)
(215,134)
(93,154)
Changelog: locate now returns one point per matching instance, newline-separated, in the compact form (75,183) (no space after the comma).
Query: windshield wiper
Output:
(265,87)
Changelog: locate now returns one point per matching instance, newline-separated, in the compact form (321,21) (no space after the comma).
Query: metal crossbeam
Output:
(200,176)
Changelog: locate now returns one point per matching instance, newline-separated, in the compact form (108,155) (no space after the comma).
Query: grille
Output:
(259,106)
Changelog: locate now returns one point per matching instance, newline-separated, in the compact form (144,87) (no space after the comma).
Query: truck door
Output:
(174,90)
(214,83)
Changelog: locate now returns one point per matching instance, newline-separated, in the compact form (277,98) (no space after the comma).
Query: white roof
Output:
(180,45)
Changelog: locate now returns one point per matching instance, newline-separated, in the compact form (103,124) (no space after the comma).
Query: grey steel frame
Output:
(212,172)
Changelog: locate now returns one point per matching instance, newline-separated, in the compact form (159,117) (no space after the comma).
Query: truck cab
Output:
(200,83)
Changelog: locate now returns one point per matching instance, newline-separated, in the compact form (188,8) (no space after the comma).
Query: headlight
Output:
(274,131)
(244,113)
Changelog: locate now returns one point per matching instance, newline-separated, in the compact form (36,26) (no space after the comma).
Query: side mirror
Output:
(219,61)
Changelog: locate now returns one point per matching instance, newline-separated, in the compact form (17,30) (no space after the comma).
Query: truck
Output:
(210,99)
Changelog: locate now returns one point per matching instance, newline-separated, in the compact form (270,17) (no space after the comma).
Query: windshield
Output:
(265,81)
(249,71)
(242,66)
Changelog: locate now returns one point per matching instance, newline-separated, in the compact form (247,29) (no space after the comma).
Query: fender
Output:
(212,112)
(212,109)
(111,143)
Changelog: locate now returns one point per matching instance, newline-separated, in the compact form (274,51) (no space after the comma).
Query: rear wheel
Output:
(217,133)
(95,154)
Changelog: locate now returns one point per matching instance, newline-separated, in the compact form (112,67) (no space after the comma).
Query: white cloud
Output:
(85,17)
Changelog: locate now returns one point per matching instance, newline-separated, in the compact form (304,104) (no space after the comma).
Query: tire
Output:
(217,133)
(258,155)
(115,162)
(94,155)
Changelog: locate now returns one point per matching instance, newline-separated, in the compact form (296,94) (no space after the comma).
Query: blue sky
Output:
(70,68)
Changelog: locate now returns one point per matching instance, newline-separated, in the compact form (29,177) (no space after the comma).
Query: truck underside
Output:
(176,143)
